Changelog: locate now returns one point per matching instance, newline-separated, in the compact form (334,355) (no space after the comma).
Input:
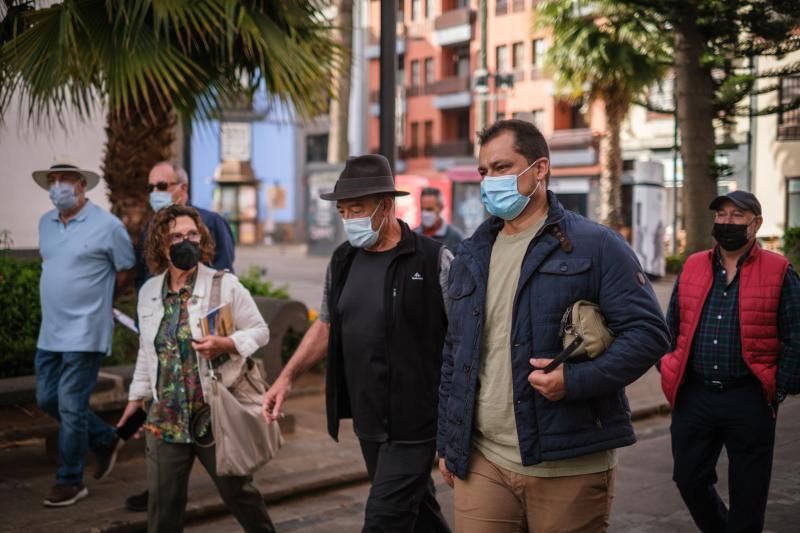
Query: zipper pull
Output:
(394,292)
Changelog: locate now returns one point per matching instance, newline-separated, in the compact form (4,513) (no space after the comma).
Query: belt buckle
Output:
(716,385)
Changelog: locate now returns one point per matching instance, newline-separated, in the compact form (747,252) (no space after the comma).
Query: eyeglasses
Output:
(191,235)
(161,185)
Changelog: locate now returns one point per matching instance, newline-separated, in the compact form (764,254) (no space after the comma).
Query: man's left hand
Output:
(550,385)
(212,346)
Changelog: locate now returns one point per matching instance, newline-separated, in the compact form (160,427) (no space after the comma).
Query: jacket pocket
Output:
(566,267)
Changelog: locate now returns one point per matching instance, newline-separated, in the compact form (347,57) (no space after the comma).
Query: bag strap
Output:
(214,299)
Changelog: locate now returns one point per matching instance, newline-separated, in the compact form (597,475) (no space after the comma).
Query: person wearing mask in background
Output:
(86,252)
(382,325)
(433,225)
(530,450)
(735,355)
(169,185)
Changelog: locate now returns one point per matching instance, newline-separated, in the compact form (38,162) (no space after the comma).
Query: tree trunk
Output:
(134,143)
(695,96)
(338,147)
(611,164)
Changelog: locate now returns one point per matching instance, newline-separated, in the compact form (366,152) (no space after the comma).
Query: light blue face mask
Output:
(160,200)
(63,196)
(359,230)
(501,196)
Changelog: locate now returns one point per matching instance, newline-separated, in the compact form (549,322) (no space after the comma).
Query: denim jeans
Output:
(64,383)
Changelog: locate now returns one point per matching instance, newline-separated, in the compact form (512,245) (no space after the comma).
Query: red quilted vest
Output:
(760,281)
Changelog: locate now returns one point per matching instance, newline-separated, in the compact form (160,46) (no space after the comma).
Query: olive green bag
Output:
(583,332)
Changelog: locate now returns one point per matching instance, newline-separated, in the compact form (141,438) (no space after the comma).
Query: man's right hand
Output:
(446,474)
(274,398)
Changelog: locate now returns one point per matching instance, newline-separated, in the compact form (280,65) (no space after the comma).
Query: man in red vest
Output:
(735,323)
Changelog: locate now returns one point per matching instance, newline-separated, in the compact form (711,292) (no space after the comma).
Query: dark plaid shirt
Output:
(717,345)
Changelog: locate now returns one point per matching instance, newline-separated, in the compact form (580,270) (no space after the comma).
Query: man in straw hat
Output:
(85,252)
(382,325)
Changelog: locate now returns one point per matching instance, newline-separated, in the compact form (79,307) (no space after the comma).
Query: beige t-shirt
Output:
(495,433)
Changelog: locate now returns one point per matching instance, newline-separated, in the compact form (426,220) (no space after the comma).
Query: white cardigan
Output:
(250,334)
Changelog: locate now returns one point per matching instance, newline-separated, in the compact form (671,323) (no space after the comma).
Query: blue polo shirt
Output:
(80,261)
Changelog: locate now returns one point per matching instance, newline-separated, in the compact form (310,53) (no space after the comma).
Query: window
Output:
(789,121)
(501,7)
(539,49)
(414,134)
(428,133)
(429,5)
(499,115)
(517,55)
(415,73)
(416,9)
(517,6)
(429,75)
(501,59)
(793,202)
(317,147)
(535,117)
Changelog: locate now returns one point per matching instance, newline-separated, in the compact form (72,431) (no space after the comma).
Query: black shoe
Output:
(137,503)
(107,458)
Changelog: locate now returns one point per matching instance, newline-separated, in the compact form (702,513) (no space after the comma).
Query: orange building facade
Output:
(438,49)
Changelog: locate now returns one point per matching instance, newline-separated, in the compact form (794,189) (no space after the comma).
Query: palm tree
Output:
(151,62)
(602,52)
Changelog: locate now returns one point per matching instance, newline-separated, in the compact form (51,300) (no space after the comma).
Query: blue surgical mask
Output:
(63,196)
(359,230)
(501,196)
(160,200)
(429,219)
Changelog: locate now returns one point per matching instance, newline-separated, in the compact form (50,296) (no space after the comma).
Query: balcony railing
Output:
(453,18)
(455,148)
(570,139)
(455,84)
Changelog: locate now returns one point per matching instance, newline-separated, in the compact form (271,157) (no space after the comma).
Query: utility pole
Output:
(482,111)
(388,70)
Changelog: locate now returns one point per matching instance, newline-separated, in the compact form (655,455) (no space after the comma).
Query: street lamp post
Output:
(388,69)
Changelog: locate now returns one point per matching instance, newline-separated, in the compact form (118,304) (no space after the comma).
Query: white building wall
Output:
(25,148)
(774,160)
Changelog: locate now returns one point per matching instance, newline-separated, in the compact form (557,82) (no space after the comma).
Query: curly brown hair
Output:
(158,240)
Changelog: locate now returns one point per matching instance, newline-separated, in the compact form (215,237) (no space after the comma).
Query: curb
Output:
(215,507)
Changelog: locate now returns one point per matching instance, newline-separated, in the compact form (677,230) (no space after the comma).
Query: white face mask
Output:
(359,230)
(63,196)
(429,219)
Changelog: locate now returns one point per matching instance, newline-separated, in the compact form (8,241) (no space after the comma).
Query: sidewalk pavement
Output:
(309,461)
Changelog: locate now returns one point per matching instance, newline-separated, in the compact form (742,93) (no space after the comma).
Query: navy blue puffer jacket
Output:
(572,258)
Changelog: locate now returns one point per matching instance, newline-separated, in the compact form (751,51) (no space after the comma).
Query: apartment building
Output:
(438,45)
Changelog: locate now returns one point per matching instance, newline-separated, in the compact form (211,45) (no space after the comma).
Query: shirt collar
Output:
(79,217)
(740,262)
(187,288)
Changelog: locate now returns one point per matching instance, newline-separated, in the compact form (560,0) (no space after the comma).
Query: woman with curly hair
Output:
(170,375)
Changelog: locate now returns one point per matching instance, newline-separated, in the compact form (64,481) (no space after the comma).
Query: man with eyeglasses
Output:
(168,184)
(735,355)
(86,252)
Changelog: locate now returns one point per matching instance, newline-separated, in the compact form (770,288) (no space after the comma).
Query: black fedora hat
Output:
(364,175)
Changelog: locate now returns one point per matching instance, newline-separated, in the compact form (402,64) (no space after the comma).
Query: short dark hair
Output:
(432,191)
(529,141)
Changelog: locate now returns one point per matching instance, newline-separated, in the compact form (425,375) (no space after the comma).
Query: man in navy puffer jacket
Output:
(525,448)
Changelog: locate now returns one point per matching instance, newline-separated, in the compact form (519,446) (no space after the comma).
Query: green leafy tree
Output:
(603,52)
(713,43)
(151,62)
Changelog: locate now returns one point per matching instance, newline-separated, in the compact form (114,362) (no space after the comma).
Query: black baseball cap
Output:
(742,199)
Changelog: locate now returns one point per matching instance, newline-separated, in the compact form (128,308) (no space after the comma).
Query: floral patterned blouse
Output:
(179,391)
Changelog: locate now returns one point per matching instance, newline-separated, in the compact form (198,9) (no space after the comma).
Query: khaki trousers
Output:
(496,500)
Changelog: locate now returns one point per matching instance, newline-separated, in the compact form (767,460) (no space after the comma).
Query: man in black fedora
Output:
(382,325)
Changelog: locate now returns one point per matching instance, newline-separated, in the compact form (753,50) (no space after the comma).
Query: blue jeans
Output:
(64,383)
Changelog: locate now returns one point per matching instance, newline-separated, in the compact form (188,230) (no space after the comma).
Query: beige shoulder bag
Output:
(244,440)
(583,332)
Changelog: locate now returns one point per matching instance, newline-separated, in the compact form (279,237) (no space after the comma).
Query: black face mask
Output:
(731,237)
(185,255)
